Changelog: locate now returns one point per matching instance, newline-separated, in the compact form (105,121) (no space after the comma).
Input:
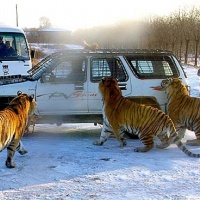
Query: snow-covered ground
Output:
(62,163)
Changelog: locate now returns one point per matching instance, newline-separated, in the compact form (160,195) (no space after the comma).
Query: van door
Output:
(101,67)
(63,89)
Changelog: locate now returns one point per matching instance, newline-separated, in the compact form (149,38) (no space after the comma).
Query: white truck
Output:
(65,83)
(14,52)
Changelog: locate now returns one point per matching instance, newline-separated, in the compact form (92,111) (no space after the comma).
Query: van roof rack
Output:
(57,56)
(116,50)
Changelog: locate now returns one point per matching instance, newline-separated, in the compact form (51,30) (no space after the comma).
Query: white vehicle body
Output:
(65,84)
(20,61)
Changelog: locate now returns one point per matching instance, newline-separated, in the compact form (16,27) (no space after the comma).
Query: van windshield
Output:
(13,46)
(153,67)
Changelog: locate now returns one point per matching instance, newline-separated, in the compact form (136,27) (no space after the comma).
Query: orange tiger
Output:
(91,47)
(13,121)
(183,109)
(121,114)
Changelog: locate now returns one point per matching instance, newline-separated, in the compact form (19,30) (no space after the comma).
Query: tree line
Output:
(179,32)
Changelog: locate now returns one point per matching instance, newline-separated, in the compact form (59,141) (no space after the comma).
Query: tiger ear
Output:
(31,97)
(171,80)
(19,93)
(103,79)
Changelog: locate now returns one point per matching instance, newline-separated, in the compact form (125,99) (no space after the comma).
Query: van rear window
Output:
(153,67)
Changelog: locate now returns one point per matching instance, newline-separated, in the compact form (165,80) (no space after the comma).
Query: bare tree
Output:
(159,33)
(195,31)
(179,32)
(177,35)
(45,22)
(186,28)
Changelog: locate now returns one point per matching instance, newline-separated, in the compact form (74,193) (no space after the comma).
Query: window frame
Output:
(153,58)
(116,60)
(64,80)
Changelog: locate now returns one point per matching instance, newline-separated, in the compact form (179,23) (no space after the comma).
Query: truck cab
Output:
(14,52)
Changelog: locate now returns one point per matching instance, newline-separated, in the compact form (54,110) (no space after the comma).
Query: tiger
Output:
(183,109)
(13,121)
(121,114)
(91,47)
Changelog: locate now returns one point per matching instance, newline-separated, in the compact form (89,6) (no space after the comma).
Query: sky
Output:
(75,14)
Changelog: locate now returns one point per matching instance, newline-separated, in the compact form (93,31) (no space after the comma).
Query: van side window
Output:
(107,67)
(150,67)
(67,71)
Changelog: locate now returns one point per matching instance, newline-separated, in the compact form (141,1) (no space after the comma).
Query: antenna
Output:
(16,16)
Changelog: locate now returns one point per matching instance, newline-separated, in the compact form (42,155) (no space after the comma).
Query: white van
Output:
(14,52)
(65,83)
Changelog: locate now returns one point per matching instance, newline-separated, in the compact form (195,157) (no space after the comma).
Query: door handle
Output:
(78,87)
(122,86)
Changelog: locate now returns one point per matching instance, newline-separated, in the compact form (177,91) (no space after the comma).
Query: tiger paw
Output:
(143,149)
(10,164)
(195,142)
(23,152)
(138,149)
(123,142)
(162,145)
(21,149)
(98,143)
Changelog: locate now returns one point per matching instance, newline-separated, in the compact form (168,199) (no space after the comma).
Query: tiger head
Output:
(25,101)
(109,89)
(174,86)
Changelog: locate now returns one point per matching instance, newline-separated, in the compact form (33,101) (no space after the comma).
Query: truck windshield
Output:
(13,46)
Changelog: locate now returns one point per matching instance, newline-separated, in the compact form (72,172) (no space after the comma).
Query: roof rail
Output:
(55,57)
(117,50)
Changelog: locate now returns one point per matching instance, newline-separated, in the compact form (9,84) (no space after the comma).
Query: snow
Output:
(62,163)
(49,48)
